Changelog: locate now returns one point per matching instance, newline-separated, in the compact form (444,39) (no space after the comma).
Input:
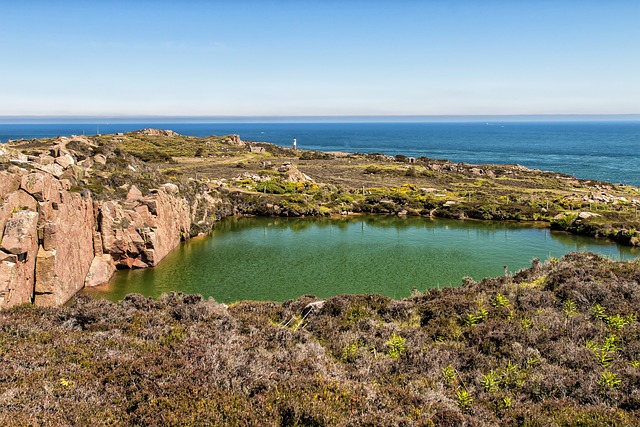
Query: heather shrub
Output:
(558,346)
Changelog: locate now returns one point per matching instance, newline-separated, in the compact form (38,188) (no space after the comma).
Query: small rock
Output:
(586,215)
(170,188)
(99,158)
(65,160)
(312,307)
(86,163)
(134,194)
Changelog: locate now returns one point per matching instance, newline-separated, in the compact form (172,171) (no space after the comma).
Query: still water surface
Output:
(278,259)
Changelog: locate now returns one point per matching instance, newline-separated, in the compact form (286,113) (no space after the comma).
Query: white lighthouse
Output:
(294,143)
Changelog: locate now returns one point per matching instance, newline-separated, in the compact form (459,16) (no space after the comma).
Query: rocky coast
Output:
(553,344)
(73,209)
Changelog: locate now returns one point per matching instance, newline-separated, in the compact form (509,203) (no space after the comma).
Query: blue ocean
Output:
(606,151)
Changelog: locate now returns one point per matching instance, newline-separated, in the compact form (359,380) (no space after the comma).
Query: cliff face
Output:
(65,230)
(140,231)
(44,233)
(54,239)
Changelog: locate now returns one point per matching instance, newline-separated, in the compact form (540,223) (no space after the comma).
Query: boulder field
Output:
(55,238)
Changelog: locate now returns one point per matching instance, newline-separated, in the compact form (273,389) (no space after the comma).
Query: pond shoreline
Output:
(271,258)
(144,191)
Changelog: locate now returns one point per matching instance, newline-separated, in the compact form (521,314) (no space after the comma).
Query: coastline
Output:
(152,188)
(555,343)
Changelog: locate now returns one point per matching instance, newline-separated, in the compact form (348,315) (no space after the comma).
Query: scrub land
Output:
(557,343)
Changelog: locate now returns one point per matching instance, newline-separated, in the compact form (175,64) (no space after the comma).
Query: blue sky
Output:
(288,58)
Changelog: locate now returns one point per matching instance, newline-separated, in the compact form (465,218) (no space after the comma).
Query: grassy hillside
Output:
(556,344)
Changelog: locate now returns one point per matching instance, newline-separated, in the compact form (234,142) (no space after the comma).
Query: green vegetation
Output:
(354,360)
(557,344)
(396,345)
(248,177)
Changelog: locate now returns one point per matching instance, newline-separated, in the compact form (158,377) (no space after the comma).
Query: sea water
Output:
(606,151)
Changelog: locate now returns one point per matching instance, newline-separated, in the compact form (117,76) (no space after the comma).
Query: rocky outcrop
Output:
(140,231)
(293,174)
(47,237)
(156,132)
(18,253)
(66,250)
(233,139)
(54,239)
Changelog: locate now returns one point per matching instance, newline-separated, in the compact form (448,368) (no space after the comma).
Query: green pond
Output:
(278,259)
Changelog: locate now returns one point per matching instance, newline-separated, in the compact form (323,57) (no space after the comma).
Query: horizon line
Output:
(6,119)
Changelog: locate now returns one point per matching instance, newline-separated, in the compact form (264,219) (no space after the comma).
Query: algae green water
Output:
(278,259)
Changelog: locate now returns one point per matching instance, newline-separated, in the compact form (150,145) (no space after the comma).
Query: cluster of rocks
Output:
(468,169)
(156,132)
(606,198)
(289,172)
(141,230)
(293,174)
(55,238)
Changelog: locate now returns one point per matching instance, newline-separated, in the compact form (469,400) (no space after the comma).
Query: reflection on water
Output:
(279,258)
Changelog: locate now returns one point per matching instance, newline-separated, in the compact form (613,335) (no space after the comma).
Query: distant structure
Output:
(257,150)
(294,143)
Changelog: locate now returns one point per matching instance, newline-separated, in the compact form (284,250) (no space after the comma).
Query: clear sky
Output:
(402,57)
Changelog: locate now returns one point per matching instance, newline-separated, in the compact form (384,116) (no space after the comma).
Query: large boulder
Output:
(101,270)
(42,186)
(20,233)
(9,183)
(18,200)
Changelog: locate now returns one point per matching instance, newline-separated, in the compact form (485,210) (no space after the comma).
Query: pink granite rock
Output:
(17,273)
(66,255)
(9,183)
(145,233)
(18,200)
(101,270)
(21,233)
(42,186)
